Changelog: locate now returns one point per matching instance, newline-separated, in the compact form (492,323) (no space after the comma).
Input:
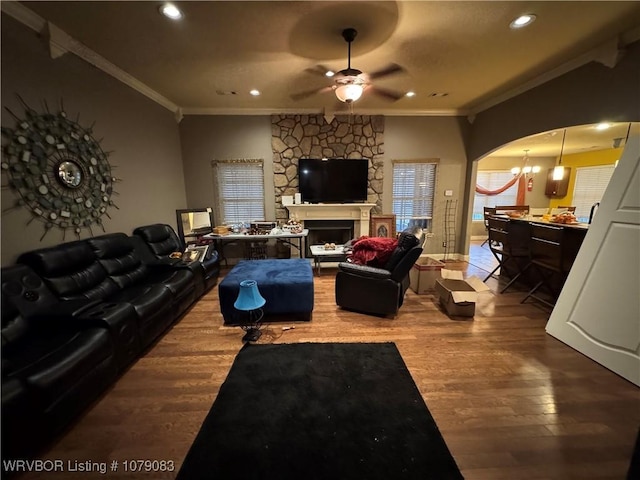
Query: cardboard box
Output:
(457,295)
(424,273)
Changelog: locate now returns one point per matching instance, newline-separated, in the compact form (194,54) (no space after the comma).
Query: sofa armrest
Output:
(66,314)
(69,308)
(165,264)
(364,270)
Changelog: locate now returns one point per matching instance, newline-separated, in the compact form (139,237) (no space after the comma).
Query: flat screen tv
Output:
(333,180)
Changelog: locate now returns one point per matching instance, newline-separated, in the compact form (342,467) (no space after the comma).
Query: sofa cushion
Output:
(70,270)
(160,238)
(117,255)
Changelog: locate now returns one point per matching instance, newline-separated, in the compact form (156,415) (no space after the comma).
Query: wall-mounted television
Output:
(333,180)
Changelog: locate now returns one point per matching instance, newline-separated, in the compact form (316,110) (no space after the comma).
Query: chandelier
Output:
(526,169)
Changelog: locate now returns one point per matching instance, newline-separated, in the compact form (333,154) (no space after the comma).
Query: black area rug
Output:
(345,411)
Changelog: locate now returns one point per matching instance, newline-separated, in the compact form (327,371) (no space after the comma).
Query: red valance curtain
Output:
(480,189)
(516,178)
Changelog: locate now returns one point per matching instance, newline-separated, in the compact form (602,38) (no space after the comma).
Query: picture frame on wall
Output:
(383,226)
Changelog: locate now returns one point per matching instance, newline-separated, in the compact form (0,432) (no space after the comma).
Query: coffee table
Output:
(320,254)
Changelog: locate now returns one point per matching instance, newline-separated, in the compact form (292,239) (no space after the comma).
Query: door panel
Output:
(598,311)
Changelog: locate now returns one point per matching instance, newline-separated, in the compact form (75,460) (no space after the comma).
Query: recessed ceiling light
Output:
(602,126)
(410,94)
(254,92)
(329,73)
(169,10)
(523,21)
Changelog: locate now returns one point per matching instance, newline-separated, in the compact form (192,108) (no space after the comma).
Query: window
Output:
(591,182)
(414,185)
(239,190)
(493,180)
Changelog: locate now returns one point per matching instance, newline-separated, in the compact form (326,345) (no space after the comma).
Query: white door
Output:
(598,311)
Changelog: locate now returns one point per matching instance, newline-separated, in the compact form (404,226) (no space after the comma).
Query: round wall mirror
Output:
(70,174)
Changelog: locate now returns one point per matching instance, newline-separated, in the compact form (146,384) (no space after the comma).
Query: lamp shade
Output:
(249,297)
(349,92)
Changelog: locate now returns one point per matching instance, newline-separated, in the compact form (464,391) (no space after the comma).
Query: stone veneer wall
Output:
(310,136)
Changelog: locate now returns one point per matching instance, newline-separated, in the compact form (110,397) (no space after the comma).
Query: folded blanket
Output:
(373,251)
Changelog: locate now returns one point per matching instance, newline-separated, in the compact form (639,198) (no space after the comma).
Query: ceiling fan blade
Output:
(389,70)
(309,93)
(319,70)
(385,93)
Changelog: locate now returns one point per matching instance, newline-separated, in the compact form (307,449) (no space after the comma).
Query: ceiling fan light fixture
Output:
(349,92)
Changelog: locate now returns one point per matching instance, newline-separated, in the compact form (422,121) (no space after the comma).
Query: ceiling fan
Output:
(350,83)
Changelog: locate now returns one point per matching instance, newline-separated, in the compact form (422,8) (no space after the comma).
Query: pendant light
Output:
(558,170)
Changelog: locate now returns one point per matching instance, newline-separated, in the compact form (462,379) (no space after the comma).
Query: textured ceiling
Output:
(463,48)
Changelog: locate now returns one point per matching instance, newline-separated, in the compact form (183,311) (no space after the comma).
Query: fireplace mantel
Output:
(358,212)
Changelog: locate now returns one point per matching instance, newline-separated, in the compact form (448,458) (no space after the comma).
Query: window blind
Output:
(591,182)
(492,180)
(414,185)
(239,188)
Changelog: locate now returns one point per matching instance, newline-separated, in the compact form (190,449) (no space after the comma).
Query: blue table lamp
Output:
(250,300)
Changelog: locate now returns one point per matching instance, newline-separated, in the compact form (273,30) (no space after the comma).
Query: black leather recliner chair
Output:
(162,240)
(53,365)
(378,291)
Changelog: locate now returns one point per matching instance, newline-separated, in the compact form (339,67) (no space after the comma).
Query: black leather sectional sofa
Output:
(76,315)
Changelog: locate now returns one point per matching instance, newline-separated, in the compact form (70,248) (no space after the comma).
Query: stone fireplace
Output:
(314,136)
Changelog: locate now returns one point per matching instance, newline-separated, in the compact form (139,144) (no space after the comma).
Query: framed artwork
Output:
(383,226)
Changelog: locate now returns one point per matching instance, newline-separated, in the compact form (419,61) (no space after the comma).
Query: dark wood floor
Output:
(511,401)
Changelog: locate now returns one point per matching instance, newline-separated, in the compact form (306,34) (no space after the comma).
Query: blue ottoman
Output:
(286,285)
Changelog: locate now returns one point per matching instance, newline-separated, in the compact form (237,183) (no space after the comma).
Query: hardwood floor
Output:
(511,401)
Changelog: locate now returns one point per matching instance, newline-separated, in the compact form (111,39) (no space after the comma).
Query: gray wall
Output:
(143,136)
(590,94)
(207,137)
(440,138)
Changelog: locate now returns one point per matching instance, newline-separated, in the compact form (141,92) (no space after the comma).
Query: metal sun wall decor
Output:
(59,170)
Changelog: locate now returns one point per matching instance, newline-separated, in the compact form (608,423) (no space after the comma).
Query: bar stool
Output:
(488,211)
(546,250)
(507,246)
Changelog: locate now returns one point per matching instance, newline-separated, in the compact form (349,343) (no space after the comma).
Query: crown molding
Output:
(322,111)
(60,43)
